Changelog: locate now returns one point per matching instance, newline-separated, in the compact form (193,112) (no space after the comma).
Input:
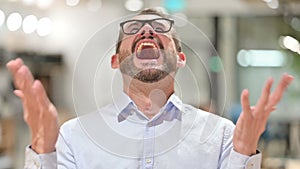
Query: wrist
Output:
(41,148)
(248,150)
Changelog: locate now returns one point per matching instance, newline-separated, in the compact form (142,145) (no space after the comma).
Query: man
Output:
(148,126)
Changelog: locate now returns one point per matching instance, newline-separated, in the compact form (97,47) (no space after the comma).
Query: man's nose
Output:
(147,31)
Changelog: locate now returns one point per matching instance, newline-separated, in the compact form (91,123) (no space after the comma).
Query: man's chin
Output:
(150,75)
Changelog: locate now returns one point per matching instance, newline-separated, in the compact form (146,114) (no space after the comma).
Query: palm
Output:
(39,112)
(252,121)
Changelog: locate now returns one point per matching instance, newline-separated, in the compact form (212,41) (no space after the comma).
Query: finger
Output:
(19,93)
(263,100)
(281,87)
(246,104)
(14,65)
(29,97)
(272,109)
(40,93)
(23,78)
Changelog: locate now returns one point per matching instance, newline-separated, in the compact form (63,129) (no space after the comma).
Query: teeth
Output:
(146,44)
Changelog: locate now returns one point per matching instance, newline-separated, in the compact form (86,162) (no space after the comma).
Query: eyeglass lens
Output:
(158,25)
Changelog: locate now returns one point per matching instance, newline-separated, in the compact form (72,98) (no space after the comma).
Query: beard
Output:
(149,72)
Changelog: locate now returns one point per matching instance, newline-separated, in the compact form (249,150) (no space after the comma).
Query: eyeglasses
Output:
(159,25)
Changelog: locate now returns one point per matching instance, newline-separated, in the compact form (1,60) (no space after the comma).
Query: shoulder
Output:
(90,122)
(75,124)
(206,126)
(103,112)
(205,119)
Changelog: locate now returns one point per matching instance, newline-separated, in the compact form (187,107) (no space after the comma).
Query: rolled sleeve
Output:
(254,161)
(240,161)
(39,161)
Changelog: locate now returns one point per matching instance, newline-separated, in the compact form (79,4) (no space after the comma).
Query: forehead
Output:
(146,17)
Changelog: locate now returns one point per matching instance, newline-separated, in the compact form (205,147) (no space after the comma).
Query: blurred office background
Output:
(254,39)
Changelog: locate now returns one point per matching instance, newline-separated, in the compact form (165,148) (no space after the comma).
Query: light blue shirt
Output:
(119,136)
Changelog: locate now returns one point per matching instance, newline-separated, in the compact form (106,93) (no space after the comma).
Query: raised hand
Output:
(39,113)
(252,121)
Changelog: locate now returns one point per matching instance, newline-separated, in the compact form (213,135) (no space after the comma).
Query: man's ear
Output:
(115,61)
(181,59)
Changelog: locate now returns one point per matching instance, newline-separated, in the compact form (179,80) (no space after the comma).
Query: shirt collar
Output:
(171,110)
(122,102)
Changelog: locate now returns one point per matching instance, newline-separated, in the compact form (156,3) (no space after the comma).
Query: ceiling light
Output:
(14,21)
(134,5)
(30,24)
(261,58)
(291,43)
(44,26)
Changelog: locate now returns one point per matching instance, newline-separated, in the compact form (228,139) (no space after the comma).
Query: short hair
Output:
(161,13)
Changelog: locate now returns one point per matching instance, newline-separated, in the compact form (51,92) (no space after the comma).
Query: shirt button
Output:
(250,165)
(36,164)
(148,160)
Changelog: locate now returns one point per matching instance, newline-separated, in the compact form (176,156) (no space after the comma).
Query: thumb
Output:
(19,93)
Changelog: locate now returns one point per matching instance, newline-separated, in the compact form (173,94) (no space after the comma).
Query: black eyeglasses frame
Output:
(149,23)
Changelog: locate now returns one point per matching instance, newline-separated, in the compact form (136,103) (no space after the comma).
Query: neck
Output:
(149,97)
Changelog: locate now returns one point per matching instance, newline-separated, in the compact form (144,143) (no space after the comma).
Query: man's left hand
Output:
(252,121)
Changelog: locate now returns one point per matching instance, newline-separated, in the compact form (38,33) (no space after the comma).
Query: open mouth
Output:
(147,50)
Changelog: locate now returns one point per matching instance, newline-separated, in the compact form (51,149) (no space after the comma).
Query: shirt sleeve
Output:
(39,161)
(240,161)
(61,159)
(230,159)
(65,157)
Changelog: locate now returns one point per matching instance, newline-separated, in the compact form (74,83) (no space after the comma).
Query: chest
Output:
(187,153)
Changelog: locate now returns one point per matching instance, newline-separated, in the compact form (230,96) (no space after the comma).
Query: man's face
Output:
(147,54)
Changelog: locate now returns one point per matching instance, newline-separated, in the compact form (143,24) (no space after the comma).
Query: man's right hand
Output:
(39,113)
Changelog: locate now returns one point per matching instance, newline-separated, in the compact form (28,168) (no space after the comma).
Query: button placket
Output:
(149,138)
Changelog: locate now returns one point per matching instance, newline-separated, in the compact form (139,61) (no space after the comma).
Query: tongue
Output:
(148,53)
